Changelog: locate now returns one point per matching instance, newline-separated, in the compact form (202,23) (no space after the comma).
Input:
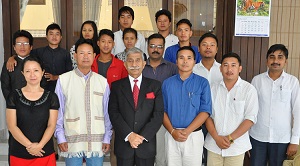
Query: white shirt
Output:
(119,44)
(278,120)
(138,83)
(213,75)
(170,40)
(229,110)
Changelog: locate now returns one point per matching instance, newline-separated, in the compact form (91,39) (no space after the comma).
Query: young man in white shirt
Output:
(208,67)
(234,111)
(126,17)
(277,131)
(163,20)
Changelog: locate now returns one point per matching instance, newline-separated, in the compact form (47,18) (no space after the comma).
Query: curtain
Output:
(3,127)
(56,11)
(22,4)
(91,10)
(153,7)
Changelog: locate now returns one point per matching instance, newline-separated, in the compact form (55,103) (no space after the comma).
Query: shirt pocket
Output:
(195,100)
(285,95)
(238,107)
(72,126)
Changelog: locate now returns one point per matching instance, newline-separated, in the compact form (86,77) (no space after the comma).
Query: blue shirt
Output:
(184,100)
(170,54)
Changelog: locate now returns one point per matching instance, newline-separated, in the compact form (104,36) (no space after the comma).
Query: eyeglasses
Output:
(156,46)
(19,44)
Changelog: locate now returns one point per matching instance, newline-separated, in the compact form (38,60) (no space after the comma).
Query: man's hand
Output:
(11,63)
(105,147)
(50,77)
(180,135)
(135,140)
(63,147)
(292,149)
(35,149)
(222,142)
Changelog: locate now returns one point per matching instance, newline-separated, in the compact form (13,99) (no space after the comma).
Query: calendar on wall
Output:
(252,18)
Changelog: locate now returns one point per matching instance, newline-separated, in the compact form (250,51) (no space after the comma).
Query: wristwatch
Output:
(230,139)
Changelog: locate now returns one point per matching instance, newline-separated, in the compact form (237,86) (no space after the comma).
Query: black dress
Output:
(32,119)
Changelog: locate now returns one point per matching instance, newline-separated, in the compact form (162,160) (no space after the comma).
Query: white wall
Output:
(2,101)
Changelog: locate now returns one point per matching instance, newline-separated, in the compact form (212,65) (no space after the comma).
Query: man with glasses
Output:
(159,69)
(22,43)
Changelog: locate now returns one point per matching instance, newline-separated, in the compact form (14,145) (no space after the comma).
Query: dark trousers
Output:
(135,161)
(265,152)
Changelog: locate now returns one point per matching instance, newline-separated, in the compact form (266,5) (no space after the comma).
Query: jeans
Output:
(265,152)
(77,161)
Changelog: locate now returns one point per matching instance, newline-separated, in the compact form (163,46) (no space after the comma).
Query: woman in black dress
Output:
(31,117)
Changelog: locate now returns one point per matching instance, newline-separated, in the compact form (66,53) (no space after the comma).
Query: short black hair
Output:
(81,41)
(232,55)
(184,21)
(208,34)
(22,33)
(277,47)
(126,9)
(52,27)
(106,32)
(32,58)
(129,30)
(163,12)
(156,36)
(186,48)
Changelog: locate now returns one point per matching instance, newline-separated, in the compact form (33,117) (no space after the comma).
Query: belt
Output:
(199,128)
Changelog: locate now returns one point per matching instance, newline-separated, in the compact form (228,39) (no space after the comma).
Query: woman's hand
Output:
(35,149)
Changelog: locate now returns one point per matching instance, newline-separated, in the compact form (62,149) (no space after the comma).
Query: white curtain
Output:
(22,4)
(3,128)
(91,10)
(56,11)
(153,6)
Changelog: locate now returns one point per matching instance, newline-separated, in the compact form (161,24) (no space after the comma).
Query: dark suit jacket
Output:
(145,120)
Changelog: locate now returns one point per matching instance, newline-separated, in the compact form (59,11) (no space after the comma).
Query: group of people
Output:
(161,102)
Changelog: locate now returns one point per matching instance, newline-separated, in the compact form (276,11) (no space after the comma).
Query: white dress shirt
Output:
(230,109)
(213,75)
(170,40)
(119,44)
(278,119)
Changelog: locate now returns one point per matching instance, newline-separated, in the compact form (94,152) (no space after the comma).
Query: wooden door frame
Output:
(11,23)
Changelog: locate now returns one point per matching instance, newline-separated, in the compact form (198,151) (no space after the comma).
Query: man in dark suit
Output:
(135,118)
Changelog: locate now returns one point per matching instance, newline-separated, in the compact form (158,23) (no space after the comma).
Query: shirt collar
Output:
(139,78)
(190,77)
(163,61)
(79,73)
(214,64)
(237,84)
(283,74)
(22,58)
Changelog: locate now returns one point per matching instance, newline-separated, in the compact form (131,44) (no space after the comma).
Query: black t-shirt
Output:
(32,119)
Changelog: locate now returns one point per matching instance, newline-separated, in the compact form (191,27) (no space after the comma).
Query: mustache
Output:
(155,52)
(275,64)
(134,68)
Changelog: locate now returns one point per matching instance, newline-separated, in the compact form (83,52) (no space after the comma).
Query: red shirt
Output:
(116,70)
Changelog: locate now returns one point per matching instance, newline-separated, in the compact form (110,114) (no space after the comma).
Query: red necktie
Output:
(135,93)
